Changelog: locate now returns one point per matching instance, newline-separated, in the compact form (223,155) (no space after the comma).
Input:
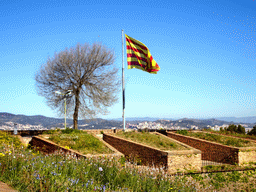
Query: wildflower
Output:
(2,155)
(100,169)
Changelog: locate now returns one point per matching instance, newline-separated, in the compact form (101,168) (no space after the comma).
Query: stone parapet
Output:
(217,152)
(173,161)
(49,147)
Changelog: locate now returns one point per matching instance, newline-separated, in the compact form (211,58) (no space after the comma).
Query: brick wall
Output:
(147,155)
(49,147)
(210,151)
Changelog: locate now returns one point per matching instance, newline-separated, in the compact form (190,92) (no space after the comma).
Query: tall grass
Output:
(27,170)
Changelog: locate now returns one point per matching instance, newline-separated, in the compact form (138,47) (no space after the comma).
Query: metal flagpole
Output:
(123,79)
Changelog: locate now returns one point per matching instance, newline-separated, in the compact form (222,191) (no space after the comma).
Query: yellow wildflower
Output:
(2,155)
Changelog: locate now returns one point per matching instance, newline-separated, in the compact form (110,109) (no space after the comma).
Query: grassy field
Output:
(152,140)
(28,170)
(78,140)
(234,142)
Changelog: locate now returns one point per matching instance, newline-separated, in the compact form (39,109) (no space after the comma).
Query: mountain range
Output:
(99,123)
(251,120)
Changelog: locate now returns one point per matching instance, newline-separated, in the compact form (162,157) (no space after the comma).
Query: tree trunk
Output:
(75,116)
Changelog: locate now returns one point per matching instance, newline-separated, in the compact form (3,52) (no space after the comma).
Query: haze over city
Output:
(205,49)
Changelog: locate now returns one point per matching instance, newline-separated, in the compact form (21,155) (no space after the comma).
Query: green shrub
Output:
(69,130)
(253,131)
(52,131)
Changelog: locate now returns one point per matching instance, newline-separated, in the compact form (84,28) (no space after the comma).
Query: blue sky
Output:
(205,49)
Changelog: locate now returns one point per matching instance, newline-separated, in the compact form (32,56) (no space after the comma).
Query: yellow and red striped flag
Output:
(138,56)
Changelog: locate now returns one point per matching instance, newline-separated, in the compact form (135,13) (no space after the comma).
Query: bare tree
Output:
(89,72)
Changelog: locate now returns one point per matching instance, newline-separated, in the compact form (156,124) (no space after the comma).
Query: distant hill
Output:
(251,119)
(185,122)
(35,120)
(133,119)
(49,122)
(98,123)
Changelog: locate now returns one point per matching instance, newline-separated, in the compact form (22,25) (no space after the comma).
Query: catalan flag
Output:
(138,56)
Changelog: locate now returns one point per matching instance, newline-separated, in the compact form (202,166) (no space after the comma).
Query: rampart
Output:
(216,152)
(172,161)
(49,147)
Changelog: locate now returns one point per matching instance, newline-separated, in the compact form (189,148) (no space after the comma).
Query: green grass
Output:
(227,167)
(79,140)
(152,140)
(253,137)
(28,170)
(234,142)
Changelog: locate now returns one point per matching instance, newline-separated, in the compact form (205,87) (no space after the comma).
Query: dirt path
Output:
(6,188)
(25,140)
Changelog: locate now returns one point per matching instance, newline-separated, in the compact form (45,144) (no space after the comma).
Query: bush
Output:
(240,129)
(232,128)
(253,131)
(69,130)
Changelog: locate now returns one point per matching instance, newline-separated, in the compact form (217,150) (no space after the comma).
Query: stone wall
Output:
(210,151)
(174,161)
(26,132)
(99,131)
(246,155)
(49,147)
(143,154)
(185,161)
